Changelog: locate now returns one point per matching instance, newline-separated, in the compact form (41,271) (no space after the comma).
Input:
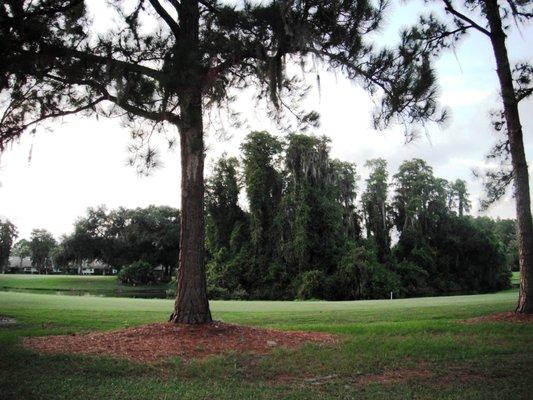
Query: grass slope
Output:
(378,340)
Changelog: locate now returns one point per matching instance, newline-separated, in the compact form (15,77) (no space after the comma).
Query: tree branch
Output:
(449,8)
(130,108)
(44,11)
(172,24)
(56,114)
(92,58)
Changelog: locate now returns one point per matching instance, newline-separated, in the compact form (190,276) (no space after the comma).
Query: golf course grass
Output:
(388,349)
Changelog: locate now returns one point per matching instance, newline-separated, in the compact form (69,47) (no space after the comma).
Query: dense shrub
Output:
(311,285)
(137,273)
(361,276)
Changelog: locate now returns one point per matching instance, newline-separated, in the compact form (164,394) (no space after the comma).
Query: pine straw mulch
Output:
(510,316)
(153,342)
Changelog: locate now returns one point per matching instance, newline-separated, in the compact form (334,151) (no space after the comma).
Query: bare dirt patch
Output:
(503,317)
(394,376)
(154,342)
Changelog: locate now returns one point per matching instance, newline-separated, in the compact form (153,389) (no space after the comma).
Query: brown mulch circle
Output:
(154,342)
(503,317)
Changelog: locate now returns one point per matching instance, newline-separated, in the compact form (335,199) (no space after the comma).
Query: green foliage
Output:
(144,66)
(458,197)
(261,153)
(137,273)
(361,276)
(301,237)
(41,246)
(318,207)
(376,209)
(8,234)
(312,285)
(222,198)
(122,236)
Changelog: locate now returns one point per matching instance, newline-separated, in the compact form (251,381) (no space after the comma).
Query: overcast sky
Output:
(82,162)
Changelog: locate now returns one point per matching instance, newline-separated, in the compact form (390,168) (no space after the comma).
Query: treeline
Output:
(309,232)
(116,238)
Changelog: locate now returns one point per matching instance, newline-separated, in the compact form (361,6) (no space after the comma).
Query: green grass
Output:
(463,361)
(108,285)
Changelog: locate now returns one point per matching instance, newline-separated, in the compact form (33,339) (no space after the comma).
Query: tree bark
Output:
(192,306)
(518,157)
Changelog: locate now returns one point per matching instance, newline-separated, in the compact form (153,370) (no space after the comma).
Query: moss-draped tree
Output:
(166,62)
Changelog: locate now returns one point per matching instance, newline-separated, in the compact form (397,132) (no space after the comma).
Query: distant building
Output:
(19,265)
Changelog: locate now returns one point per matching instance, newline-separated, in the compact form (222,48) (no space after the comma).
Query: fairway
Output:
(388,349)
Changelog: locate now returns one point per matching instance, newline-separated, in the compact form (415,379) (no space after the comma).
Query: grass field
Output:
(104,285)
(399,349)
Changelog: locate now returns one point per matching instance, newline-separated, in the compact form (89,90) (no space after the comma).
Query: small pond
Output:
(143,294)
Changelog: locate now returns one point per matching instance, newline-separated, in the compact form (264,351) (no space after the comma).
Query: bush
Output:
(361,276)
(138,273)
(414,279)
(311,285)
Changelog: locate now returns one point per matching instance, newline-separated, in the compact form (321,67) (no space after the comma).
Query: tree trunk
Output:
(192,306)
(518,157)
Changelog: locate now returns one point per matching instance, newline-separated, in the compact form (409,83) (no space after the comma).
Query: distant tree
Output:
(504,230)
(419,206)
(94,238)
(151,234)
(261,156)
(318,197)
(468,257)
(345,185)
(458,197)
(122,236)
(41,245)
(376,209)
(227,234)
(61,258)
(8,234)
(222,202)
(21,249)
(193,55)
(419,198)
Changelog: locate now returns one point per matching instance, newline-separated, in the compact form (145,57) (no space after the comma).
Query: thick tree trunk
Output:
(518,157)
(192,306)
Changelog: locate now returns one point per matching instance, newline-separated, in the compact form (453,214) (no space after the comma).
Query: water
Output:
(142,294)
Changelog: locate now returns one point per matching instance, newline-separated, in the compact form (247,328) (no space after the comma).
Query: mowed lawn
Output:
(388,349)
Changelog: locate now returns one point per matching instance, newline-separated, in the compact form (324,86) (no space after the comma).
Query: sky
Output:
(49,179)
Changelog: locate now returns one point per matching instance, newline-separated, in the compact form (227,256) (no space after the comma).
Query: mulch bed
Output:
(503,317)
(154,342)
